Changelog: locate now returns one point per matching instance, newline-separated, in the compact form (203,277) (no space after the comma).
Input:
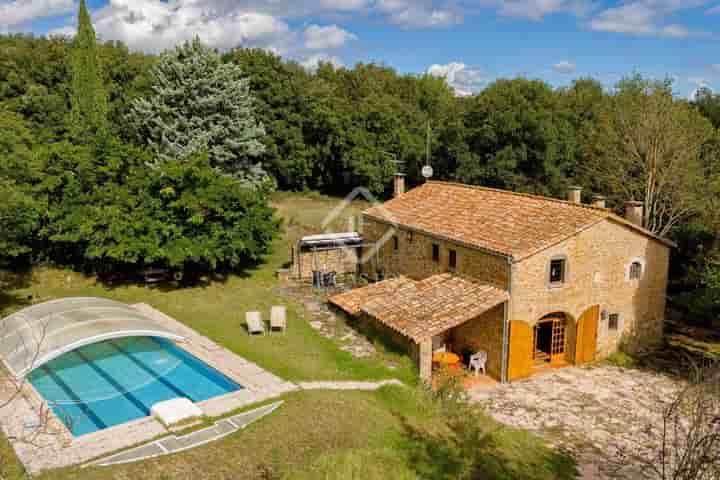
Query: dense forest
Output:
(113,160)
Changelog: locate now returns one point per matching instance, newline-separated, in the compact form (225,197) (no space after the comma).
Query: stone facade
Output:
(598,261)
(597,265)
(414,256)
(341,261)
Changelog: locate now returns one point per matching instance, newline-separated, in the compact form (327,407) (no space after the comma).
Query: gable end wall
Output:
(597,265)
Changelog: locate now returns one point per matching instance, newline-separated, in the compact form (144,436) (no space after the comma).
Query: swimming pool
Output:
(112,382)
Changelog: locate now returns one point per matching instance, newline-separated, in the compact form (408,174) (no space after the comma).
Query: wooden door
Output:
(557,354)
(586,335)
(520,350)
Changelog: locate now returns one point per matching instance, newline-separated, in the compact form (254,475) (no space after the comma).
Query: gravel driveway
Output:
(589,411)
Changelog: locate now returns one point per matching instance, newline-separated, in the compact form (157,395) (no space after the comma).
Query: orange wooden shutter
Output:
(520,353)
(587,327)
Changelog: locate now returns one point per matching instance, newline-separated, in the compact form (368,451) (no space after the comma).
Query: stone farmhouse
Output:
(535,282)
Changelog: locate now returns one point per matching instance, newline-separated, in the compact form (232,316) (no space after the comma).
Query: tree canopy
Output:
(200,104)
(186,129)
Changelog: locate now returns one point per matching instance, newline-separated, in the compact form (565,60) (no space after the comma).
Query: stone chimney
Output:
(634,212)
(399,184)
(575,194)
(598,201)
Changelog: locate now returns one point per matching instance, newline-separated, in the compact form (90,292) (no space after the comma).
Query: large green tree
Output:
(107,212)
(201,104)
(19,210)
(518,139)
(88,98)
(648,146)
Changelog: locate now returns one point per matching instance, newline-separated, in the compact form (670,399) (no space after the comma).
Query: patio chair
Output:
(478,361)
(254,323)
(278,318)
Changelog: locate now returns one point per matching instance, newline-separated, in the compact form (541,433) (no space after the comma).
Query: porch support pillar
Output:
(425,359)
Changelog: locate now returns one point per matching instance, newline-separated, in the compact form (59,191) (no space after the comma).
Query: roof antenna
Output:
(427,170)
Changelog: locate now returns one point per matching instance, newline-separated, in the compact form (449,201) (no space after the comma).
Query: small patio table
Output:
(449,359)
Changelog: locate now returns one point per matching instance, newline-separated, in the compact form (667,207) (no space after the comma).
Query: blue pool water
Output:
(113,382)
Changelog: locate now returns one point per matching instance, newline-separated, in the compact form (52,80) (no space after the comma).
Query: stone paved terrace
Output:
(58,448)
(588,411)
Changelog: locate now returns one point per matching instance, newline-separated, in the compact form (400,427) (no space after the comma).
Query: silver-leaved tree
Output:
(201,104)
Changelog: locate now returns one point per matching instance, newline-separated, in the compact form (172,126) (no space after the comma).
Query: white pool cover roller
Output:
(35,335)
(176,410)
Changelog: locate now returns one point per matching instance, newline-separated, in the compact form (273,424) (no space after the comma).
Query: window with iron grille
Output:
(452,260)
(436,252)
(557,271)
(636,271)
(614,321)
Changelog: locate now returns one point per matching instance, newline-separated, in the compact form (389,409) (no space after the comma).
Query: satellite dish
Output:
(427,171)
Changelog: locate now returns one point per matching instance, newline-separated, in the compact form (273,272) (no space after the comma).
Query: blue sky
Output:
(470,42)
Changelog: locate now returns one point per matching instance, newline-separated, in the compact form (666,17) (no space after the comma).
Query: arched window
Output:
(635,269)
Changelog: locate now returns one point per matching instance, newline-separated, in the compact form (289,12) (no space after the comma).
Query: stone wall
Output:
(413,256)
(342,261)
(482,333)
(597,265)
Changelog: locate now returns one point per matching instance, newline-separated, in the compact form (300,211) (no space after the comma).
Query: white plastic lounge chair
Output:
(254,323)
(278,318)
(478,361)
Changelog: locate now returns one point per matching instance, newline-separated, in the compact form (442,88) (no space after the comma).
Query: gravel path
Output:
(347,385)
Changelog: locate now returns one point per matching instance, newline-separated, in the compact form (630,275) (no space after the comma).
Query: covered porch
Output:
(442,313)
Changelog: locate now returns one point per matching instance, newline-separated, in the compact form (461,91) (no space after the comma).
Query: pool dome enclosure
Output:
(40,333)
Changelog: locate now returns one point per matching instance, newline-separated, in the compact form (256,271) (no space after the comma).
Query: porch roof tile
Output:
(422,309)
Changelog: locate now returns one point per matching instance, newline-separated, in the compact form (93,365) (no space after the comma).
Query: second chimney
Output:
(399,184)
(575,194)
(634,212)
(598,201)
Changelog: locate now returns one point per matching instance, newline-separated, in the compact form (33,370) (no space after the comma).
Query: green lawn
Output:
(394,433)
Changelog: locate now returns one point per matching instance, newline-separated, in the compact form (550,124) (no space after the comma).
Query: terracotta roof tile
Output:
(499,221)
(351,300)
(422,309)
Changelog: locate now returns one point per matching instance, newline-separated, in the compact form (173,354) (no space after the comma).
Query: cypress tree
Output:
(89,99)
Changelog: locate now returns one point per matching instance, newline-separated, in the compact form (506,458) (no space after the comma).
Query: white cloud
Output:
(538,9)
(66,31)
(644,17)
(18,12)
(419,13)
(564,67)
(464,79)
(312,62)
(154,25)
(715,68)
(692,96)
(332,36)
(343,5)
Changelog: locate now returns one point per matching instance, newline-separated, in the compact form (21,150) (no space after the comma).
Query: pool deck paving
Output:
(42,442)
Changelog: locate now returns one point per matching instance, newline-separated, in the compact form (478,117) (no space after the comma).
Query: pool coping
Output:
(55,447)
